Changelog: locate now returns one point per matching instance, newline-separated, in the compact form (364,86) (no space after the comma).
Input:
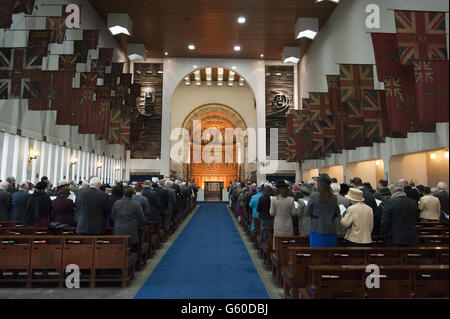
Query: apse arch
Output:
(176,69)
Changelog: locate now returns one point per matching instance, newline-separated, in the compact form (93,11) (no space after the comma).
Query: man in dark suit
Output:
(369,199)
(143,201)
(91,209)
(153,201)
(172,203)
(442,195)
(12,185)
(19,202)
(5,202)
(399,218)
(409,191)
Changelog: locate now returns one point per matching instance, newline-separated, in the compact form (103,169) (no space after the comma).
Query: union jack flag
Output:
(68,62)
(18,67)
(354,132)
(25,6)
(57,25)
(318,146)
(354,78)
(376,125)
(421,35)
(88,79)
(334,91)
(423,71)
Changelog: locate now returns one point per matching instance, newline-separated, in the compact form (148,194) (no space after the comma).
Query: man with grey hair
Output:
(5,202)
(399,218)
(442,195)
(91,209)
(12,185)
(409,191)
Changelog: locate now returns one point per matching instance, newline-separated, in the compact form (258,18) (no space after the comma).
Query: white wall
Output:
(53,161)
(36,124)
(345,39)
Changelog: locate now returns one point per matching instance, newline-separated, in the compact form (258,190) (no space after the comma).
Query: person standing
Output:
(358,219)
(128,216)
(263,209)
(143,201)
(384,194)
(369,199)
(39,208)
(11,185)
(91,209)
(323,210)
(429,207)
(19,202)
(153,200)
(63,208)
(442,195)
(5,202)
(116,194)
(282,207)
(254,205)
(400,215)
(304,222)
(341,200)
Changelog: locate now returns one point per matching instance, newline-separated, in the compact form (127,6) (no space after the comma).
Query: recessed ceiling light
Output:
(237,48)
(241,20)
(191,47)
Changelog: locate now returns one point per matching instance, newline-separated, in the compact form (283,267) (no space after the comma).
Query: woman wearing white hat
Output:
(359,220)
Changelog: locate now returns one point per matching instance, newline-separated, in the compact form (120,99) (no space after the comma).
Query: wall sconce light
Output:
(433,155)
(119,23)
(99,164)
(73,160)
(377,163)
(306,28)
(291,55)
(446,154)
(33,154)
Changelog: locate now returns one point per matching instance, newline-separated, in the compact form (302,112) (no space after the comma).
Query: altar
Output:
(213,191)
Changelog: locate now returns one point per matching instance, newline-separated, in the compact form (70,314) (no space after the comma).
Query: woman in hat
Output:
(323,209)
(359,220)
(304,221)
(282,207)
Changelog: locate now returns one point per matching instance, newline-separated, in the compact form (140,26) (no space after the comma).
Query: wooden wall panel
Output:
(147,135)
(279,98)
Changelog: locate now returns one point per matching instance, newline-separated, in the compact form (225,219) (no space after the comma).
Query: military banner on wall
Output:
(146,127)
(279,98)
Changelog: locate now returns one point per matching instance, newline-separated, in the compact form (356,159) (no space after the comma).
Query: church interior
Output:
(205,133)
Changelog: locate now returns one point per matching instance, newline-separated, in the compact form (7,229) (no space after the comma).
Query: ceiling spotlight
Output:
(306,28)
(291,55)
(237,48)
(120,23)
(191,47)
(241,20)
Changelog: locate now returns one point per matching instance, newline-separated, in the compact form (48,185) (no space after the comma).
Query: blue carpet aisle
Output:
(207,261)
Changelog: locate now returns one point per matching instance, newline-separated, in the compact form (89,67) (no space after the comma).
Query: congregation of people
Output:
(91,206)
(324,209)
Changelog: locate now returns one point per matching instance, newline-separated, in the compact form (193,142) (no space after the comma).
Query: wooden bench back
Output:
(426,281)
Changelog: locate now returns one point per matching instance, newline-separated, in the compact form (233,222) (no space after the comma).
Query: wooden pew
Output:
(267,247)
(432,231)
(43,259)
(426,281)
(299,258)
(279,256)
(10,224)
